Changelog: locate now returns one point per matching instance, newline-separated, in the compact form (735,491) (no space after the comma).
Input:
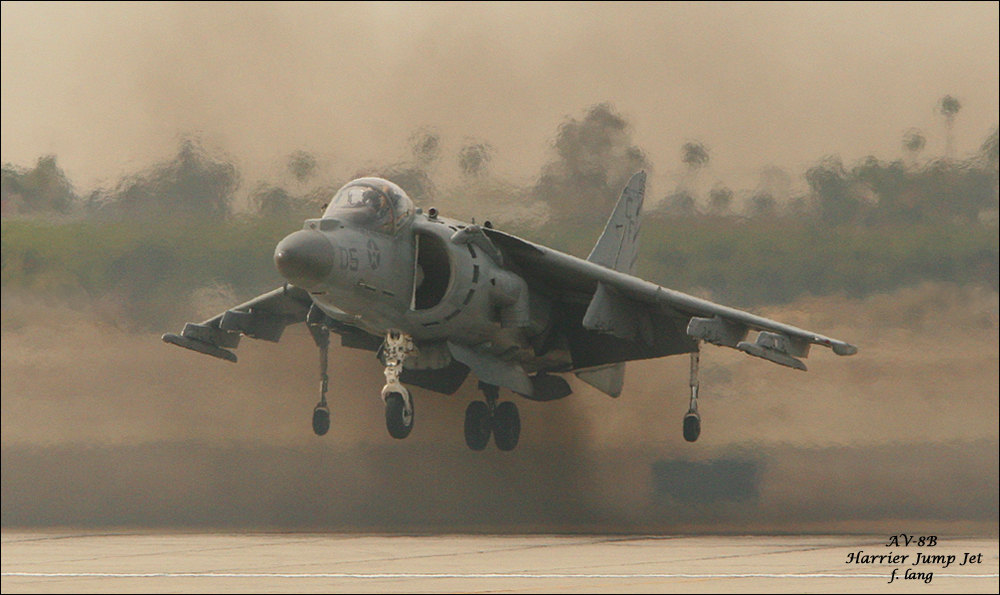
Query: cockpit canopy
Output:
(372,203)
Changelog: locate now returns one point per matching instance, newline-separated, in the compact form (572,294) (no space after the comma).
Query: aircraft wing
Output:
(264,317)
(612,316)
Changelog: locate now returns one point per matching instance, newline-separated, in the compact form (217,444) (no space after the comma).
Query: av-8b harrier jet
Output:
(436,299)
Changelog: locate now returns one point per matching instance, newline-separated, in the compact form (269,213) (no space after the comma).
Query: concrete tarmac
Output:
(150,562)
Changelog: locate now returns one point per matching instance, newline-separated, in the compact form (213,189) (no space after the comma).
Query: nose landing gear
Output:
(398,419)
(398,403)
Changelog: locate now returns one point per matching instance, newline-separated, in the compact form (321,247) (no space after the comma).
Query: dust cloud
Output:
(106,428)
(102,427)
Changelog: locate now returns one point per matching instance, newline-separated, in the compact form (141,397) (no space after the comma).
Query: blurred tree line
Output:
(144,246)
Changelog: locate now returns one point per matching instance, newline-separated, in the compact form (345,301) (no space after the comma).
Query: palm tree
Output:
(695,156)
(949,108)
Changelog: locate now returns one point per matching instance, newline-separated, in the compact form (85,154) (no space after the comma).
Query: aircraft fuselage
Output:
(429,280)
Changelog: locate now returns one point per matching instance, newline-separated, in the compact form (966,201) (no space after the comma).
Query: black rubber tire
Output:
(395,422)
(478,426)
(321,420)
(692,427)
(506,426)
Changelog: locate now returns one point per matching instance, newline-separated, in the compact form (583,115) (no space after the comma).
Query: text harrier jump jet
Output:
(437,298)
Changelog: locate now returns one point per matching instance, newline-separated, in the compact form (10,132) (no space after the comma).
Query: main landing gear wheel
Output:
(500,419)
(321,420)
(506,426)
(478,425)
(398,420)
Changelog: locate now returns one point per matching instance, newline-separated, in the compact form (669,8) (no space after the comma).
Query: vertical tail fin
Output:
(618,246)
(618,249)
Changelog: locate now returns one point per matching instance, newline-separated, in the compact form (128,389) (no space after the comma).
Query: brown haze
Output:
(108,87)
(103,427)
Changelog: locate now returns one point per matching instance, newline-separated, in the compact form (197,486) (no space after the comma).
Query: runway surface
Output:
(75,562)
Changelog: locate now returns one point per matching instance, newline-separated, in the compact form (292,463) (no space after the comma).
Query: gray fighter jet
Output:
(436,298)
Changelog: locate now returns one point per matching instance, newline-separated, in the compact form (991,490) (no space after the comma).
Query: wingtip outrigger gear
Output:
(321,334)
(692,420)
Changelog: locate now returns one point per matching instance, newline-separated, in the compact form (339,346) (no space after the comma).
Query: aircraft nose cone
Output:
(305,258)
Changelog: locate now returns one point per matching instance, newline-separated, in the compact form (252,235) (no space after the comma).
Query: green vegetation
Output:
(752,262)
(142,250)
(147,270)
(150,270)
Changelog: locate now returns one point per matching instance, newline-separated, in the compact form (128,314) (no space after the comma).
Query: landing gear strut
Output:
(692,421)
(398,403)
(321,413)
(499,419)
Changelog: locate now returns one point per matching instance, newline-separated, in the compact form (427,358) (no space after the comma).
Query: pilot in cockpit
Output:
(374,204)
(379,204)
